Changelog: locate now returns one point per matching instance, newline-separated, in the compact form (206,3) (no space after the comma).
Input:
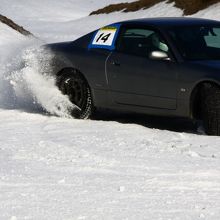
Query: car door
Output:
(134,78)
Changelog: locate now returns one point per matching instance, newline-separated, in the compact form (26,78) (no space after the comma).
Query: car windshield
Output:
(197,42)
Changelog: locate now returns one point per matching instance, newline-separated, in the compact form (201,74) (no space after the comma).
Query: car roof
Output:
(172,21)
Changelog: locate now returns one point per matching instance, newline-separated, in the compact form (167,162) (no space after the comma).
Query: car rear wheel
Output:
(74,85)
(211,109)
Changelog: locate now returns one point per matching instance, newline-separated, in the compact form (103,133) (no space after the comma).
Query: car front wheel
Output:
(74,85)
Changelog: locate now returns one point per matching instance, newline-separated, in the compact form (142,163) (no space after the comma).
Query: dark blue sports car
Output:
(159,66)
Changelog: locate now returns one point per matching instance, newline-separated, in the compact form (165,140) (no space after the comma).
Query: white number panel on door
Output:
(105,37)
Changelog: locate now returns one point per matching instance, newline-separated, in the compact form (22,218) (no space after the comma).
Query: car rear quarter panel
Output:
(90,62)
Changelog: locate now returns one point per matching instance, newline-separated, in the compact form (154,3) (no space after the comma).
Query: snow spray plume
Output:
(29,85)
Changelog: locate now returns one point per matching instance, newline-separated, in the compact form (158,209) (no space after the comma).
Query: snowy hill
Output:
(116,167)
(56,21)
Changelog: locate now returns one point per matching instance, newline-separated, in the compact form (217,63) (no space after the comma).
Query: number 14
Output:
(103,37)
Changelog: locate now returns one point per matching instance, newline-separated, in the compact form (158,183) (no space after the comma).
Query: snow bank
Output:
(50,10)
(211,12)
(56,21)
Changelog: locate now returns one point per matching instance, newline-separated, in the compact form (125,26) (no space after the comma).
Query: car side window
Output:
(212,39)
(140,42)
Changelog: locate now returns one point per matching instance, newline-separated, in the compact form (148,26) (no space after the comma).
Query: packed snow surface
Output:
(114,167)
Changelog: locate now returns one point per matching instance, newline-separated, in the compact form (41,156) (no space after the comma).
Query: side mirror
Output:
(159,55)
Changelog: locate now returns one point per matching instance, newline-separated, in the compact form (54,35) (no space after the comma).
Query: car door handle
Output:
(115,63)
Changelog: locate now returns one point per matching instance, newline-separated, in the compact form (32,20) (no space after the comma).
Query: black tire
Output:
(74,85)
(210,106)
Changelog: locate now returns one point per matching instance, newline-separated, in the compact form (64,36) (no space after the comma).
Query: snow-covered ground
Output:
(112,168)
(54,168)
